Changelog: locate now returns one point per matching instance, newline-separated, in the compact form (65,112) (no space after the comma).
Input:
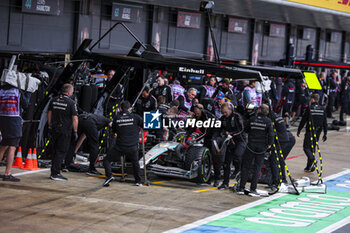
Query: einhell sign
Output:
(337,5)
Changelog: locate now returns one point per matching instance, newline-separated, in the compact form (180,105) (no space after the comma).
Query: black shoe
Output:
(58,177)
(235,174)
(216,183)
(309,170)
(10,178)
(2,176)
(223,186)
(254,193)
(312,169)
(64,169)
(274,188)
(108,180)
(240,191)
(93,173)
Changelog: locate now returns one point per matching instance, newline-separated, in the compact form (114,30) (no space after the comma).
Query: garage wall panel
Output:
(37,33)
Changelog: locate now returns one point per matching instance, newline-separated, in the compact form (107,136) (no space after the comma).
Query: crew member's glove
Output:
(75,135)
(298,133)
(324,138)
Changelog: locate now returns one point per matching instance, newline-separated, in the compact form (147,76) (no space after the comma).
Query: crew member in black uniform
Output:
(286,141)
(62,120)
(332,88)
(315,114)
(147,102)
(126,125)
(260,139)
(118,92)
(232,123)
(288,93)
(323,91)
(300,100)
(200,114)
(344,100)
(162,89)
(88,127)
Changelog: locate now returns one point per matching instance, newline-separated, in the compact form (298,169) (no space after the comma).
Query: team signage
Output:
(337,5)
(188,19)
(126,12)
(47,7)
(191,70)
(237,25)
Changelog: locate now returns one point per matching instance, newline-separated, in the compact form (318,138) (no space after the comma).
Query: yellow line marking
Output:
(115,174)
(204,190)
(157,186)
(92,177)
(160,182)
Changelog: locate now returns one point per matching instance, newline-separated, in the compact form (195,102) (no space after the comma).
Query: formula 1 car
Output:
(184,157)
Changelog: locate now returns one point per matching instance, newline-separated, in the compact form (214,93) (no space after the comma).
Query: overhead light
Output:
(206,6)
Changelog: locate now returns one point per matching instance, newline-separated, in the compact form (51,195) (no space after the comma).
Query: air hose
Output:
(314,146)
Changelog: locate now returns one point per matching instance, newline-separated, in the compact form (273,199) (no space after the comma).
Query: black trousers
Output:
(89,128)
(233,154)
(70,153)
(117,151)
(61,142)
(219,158)
(341,113)
(307,146)
(330,105)
(286,147)
(251,158)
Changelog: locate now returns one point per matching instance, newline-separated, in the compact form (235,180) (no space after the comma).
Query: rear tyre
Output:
(199,158)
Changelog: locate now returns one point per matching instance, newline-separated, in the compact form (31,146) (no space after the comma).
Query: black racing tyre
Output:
(199,157)
(94,95)
(85,101)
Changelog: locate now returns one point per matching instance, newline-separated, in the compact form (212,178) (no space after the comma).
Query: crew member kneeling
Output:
(260,138)
(126,125)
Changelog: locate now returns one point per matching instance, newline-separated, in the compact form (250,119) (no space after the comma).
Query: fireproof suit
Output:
(127,127)
(260,137)
(285,143)
(233,125)
(317,116)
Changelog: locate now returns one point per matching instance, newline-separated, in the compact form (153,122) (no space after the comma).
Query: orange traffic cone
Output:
(29,161)
(18,161)
(35,160)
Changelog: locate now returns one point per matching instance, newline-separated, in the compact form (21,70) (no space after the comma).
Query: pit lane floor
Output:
(38,204)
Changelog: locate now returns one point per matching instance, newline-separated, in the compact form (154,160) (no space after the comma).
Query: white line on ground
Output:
(335,226)
(244,207)
(97,200)
(31,172)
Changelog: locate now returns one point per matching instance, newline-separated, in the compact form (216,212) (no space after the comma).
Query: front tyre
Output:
(200,159)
